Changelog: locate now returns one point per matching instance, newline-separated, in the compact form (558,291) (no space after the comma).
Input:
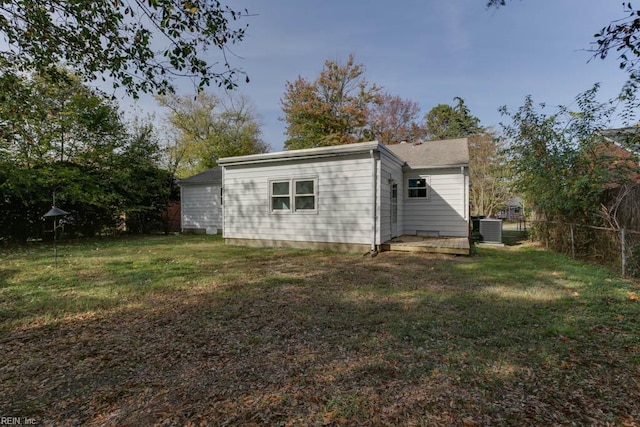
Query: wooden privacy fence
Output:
(615,248)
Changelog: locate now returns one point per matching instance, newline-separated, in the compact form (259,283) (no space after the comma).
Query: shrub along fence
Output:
(618,249)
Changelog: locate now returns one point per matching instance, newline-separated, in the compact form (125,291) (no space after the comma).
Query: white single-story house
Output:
(351,197)
(200,202)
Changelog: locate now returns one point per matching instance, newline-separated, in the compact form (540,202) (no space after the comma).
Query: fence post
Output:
(623,250)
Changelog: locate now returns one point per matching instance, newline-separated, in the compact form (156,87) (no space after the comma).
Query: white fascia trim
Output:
(308,153)
(456,165)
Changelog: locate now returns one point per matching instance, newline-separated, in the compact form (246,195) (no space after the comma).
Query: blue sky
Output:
(428,51)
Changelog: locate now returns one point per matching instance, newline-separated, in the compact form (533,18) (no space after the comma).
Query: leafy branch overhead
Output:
(142,45)
(622,35)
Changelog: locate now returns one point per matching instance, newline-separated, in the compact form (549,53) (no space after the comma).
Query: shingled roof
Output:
(433,154)
(627,138)
(210,176)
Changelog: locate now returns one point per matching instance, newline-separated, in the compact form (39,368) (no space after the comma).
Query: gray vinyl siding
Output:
(344,201)
(200,208)
(445,212)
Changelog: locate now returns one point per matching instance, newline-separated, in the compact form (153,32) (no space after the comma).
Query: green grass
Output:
(182,329)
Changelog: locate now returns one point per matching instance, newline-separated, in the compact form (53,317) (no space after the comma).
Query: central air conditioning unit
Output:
(491,231)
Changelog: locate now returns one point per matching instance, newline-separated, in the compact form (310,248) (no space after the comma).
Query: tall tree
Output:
(141,45)
(489,186)
(393,119)
(446,122)
(207,127)
(439,123)
(148,188)
(61,136)
(332,110)
(45,120)
(489,189)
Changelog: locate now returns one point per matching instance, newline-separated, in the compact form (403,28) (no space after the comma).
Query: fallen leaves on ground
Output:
(347,341)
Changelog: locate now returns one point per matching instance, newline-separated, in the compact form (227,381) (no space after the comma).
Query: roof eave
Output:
(213,183)
(449,166)
(309,153)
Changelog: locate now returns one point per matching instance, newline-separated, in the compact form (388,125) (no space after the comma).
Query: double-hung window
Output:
(305,195)
(294,195)
(418,188)
(280,195)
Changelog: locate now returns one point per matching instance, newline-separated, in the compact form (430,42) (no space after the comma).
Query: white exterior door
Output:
(394,210)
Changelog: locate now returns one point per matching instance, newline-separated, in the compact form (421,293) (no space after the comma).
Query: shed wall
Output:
(200,205)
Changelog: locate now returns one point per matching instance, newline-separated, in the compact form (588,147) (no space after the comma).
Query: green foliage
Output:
(621,36)
(446,122)
(332,110)
(144,188)
(46,120)
(558,162)
(489,189)
(205,128)
(58,136)
(120,39)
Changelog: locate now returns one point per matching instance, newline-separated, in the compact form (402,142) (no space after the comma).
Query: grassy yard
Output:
(181,330)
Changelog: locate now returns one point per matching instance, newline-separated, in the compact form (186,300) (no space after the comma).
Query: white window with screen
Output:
(305,195)
(299,195)
(280,196)
(418,188)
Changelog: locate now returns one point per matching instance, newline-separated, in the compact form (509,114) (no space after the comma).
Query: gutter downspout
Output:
(222,203)
(465,192)
(374,179)
(466,179)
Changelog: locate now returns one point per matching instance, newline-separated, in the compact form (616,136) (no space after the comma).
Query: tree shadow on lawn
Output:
(101,274)
(295,337)
(514,237)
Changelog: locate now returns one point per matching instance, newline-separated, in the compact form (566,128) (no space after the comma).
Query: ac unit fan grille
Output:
(491,230)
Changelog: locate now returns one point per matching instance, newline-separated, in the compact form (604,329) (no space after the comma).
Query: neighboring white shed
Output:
(201,202)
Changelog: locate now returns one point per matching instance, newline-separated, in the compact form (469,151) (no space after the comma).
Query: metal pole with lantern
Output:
(56,214)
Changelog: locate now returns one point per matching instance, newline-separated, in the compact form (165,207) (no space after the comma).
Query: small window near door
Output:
(418,188)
